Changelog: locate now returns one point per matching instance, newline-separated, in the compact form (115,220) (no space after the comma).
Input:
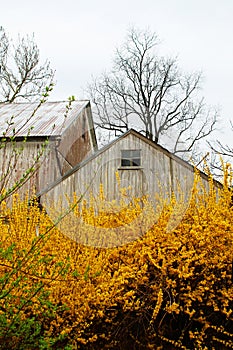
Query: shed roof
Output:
(48,120)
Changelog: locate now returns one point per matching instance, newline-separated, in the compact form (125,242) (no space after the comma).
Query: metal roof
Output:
(48,120)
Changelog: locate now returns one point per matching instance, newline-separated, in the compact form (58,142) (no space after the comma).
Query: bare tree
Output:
(149,92)
(22,77)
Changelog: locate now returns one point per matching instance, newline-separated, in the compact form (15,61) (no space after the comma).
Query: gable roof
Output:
(110,144)
(140,136)
(48,120)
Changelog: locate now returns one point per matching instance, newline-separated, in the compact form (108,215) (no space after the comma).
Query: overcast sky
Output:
(79,39)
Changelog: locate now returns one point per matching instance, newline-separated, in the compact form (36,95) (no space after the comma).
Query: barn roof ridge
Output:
(37,102)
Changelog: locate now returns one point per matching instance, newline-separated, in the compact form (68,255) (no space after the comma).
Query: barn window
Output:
(131,158)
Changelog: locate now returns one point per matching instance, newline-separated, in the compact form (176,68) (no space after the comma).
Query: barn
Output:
(72,164)
(134,163)
(141,166)
(58,135)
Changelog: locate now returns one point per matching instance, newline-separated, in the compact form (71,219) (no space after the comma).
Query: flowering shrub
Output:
(164,289)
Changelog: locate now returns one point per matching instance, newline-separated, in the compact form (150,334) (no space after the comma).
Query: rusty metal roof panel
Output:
(48,120)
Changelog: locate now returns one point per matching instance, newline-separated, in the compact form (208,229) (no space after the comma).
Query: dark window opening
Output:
(131,158)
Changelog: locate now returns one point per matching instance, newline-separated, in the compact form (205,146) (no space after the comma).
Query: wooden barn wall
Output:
(19,163)
(50,167)
(46,170)
(60,156)
(75,146)
(159,173)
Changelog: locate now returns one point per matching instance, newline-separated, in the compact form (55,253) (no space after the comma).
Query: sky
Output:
(79,39)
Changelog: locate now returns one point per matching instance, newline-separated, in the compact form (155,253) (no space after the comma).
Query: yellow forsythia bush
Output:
(155,287)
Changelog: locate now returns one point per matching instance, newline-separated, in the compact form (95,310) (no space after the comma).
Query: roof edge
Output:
(106,147)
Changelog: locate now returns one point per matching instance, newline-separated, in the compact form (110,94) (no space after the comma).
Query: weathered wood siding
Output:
(23,156)
(160,173)
(61,155)
(76,142)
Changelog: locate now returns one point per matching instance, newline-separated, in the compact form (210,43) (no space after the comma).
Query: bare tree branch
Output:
(149,92)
